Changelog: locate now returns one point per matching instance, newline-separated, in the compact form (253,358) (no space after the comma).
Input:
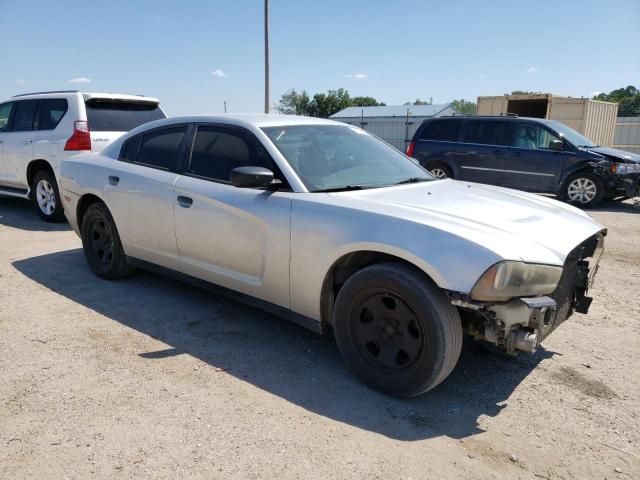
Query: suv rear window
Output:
(119,116)
(442,130)
(485,132)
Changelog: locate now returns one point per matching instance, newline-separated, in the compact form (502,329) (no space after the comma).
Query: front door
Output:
(483,154)
(238,238)
(17,145)
(5,115)
(531,164)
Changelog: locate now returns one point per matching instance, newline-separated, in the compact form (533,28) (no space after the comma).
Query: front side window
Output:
(161,148)
(341,157)
(105,115)
(217,151)
(51,112)
(25,116)
(486,132)
(533,137)
(5,114)
(441,130)
(570,134)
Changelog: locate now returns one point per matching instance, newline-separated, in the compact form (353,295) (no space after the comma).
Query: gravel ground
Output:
(151,378)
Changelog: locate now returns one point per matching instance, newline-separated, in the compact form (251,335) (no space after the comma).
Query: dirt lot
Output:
(151,378)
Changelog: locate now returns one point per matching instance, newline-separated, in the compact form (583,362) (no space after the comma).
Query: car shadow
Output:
(19,213)
(282,358)
(626,206)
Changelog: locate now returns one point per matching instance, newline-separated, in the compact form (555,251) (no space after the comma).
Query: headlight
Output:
(622,168)
(509,279)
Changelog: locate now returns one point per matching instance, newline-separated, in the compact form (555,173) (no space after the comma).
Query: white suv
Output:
(39,130)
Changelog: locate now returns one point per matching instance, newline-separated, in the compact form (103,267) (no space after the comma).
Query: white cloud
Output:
(219,73)
(593,94)
(356,76)
(80,80)
(532,70)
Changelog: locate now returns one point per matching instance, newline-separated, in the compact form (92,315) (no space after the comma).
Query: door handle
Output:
(28,142)
(113,180)
(185,202)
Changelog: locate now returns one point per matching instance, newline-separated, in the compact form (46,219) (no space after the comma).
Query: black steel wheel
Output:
(396,329)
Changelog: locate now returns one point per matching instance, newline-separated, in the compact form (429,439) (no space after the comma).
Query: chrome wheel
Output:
(46,197)
(438,172)
(387,331)
(582,190)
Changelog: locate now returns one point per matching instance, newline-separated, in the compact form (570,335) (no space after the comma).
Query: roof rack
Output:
(41,93)
(509,115)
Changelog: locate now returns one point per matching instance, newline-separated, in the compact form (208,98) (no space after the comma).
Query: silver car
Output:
(330,227)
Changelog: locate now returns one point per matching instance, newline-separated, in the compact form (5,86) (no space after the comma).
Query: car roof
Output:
(511,118)
(248,119)
(86,96)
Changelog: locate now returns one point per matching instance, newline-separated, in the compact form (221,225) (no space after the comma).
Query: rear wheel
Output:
(101,244)
(46,197)
(396,329)
(583,189)
(439,170)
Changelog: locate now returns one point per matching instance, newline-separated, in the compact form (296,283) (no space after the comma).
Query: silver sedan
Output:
(328,226)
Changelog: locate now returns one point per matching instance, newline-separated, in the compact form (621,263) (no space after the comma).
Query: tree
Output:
(325,105)
(628,99)
(366,102)
(522,92)
(421,102)
(294,103)
(465,107)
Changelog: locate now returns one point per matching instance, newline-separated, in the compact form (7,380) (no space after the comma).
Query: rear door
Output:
(109,118)
(17,145)
(531,164)
(5,116)
(483,153)
(139,193)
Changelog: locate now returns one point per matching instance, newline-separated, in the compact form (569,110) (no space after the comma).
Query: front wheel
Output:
(46,197)
(101,244)
(583,189)
(440,171)
(396,329)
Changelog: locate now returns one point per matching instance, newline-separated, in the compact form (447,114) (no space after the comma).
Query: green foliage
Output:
(322,105)
(628,99)
(522,92)
(420,102)
(465,107)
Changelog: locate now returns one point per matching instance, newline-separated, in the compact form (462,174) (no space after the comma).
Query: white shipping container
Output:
(594,119)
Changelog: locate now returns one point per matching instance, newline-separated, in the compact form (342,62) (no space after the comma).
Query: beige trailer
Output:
(594,119)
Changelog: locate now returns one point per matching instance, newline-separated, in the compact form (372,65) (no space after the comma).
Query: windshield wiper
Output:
(413,180)
(346,188)
(588,146)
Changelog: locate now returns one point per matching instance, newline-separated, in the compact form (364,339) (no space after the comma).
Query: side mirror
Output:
(251,177)
(557,145)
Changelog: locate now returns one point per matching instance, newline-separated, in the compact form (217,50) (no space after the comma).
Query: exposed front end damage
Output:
(522,323)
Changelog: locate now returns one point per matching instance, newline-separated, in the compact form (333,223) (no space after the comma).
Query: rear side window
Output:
(5,114)
(25,115)
(487,132)
(130,149)
(51,112)
(161,148)
(217,151)
(117,116)
(441,130)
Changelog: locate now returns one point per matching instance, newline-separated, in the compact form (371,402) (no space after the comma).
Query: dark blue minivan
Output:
(529,154)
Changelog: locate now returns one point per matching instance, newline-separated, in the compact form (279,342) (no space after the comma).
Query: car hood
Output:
(515,225)
(616,155)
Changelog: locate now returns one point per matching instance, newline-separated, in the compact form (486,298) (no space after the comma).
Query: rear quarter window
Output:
(118,116)
(487,132)
(441,130)
(51,112)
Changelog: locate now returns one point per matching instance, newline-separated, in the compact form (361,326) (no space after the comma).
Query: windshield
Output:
(336,157)
(571,135)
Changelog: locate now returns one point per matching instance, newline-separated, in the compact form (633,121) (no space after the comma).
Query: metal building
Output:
(395,124)
(627,134)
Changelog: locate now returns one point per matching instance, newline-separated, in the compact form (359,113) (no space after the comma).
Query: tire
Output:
(440,170)
(583,189)
(101,244)
(396,330)
(46,197)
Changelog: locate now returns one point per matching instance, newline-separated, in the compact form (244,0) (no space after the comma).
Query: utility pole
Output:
(266,56)
(225,106)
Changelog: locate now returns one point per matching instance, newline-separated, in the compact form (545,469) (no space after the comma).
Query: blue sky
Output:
(194,55)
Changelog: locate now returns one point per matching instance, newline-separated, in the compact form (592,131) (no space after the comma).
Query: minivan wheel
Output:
(101,244)
(46,197)
(440,171)
(583,189)
(396,329)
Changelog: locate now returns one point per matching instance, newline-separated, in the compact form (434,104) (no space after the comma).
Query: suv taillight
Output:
(410,149)
(81,138)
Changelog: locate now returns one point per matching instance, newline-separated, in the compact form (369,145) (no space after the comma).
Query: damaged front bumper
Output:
(522,323)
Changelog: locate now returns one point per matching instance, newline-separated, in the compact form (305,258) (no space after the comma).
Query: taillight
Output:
(410,149)
(81,138)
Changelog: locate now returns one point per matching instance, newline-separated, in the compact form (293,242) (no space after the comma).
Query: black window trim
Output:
(181,150)
(244,133)
(426,124)
(509,133)
(39,111)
